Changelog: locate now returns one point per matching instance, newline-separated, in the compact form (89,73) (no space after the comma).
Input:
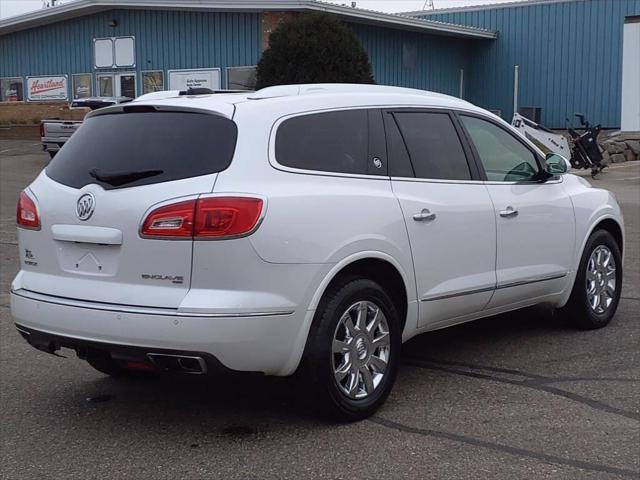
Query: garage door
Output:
(631,75)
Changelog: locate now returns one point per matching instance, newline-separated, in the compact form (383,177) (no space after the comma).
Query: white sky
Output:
(10,8)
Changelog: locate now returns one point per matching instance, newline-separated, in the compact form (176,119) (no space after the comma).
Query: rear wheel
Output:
(352,354)
(596,291)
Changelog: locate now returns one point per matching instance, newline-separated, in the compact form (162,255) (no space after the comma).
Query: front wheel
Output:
(596,291)
(352,355)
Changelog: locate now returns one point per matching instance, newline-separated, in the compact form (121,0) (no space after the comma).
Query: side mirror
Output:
(557,164)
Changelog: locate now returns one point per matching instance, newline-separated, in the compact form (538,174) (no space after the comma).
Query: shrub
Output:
(313,48)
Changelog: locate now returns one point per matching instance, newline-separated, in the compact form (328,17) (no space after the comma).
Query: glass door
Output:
(117,84)
(105,85)
(126,85)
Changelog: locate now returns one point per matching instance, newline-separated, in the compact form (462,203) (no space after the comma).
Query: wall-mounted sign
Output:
(47,88)
(198,78)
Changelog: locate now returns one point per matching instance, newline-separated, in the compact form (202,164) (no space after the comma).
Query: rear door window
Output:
(328,142)
(433,145)
(130,149)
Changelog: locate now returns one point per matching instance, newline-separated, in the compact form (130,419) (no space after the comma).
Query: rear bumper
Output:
(161,360)
(52,145)
(253,343)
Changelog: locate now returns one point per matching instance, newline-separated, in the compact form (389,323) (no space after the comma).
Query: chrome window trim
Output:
(551,181)
(110,307)
(436,180)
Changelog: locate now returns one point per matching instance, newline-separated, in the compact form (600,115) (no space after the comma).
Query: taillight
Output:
(175,220)
(27,214)
(208,217)
(226,216)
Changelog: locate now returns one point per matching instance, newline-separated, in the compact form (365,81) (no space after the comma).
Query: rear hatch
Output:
(94,195)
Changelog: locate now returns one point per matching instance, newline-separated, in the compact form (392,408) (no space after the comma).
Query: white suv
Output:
(308,228)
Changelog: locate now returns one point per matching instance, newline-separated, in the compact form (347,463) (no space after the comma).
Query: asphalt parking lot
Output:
(514,396)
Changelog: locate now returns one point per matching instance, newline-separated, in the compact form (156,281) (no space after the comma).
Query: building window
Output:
(11,89)
(196,78)
(114,52)
(81,85)
(409,55)
(152,81)
(241,78)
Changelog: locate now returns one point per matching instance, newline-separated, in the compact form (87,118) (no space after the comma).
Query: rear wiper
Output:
(117,179)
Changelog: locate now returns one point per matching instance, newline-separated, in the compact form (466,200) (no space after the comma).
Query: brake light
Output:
(208,217)
(27,214)
(175,220)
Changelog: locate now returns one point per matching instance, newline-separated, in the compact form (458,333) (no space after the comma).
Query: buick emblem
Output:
(85,206)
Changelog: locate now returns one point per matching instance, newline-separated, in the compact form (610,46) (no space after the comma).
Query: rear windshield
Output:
(131,149)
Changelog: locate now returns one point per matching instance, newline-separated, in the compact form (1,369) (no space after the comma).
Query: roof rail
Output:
(311,88)
(207,91)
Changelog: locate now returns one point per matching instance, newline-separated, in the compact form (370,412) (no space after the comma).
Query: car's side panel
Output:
(454,253)
(535,247)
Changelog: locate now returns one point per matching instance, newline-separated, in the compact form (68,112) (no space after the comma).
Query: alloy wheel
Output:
(601,279)
(361,348)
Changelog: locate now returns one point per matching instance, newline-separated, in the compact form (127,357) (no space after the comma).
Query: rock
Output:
(618,158)
(634,145)
(613,147)
(621,146)
(606,158)
(630,155)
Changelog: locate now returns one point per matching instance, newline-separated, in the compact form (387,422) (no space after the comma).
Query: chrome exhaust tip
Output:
(178,363)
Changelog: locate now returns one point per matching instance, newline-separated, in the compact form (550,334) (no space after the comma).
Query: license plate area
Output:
(88,258)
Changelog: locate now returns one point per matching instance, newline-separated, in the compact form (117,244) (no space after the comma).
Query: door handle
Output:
(509,212)
(424,216)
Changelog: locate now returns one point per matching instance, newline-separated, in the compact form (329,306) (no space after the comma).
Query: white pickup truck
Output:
(55,132)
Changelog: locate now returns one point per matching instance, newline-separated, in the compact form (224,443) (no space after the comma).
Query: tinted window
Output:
(503,157)
(329,142)
(399,161)
(433,145)
(172,145)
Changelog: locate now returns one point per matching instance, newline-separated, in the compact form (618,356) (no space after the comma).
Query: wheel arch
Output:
(608,223)
(379,267)
(613,227)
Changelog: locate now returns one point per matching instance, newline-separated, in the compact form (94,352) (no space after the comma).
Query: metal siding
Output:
(164,40)
(570,57)
(439,58)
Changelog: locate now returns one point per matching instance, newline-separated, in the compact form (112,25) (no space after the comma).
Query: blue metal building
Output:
(168,37)
(569,52)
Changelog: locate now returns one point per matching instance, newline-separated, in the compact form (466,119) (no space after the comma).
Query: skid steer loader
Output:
(582,149)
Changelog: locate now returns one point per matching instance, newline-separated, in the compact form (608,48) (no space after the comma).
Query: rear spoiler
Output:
(225,110)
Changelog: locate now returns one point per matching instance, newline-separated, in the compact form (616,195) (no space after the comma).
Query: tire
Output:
(580,310)
(356,395)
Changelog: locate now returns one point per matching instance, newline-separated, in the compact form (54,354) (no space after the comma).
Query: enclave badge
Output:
(85,206)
